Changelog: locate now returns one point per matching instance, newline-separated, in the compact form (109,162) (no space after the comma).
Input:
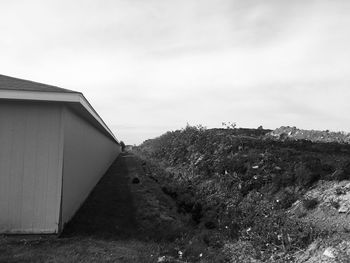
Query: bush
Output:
(240,251)
(310,203)
(338,175)
(340,191)
(287,199)
(304,176)
(335,204)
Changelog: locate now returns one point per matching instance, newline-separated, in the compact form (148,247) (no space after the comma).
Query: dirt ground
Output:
(109,211)
(76,249)
(105,229)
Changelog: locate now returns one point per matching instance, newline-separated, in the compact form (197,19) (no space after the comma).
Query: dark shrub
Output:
(313,164)
(185,203)
(310,203)
(335,204)
(340,175)
(122,144)
(135,180)
(340,191)
(210,225)
(283,180)
(286,199)
(346,167)
(327,168)
(304,176)
(168,191)
(197,212)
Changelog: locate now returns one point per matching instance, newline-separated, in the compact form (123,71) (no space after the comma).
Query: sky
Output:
(150,66)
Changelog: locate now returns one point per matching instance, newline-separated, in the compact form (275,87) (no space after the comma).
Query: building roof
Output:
(20,89)
(11,83)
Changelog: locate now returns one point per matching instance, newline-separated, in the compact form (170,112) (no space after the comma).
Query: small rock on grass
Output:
(329,252)
(168,259)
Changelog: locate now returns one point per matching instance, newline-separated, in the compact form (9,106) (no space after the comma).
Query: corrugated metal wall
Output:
(88,153)
(30,167)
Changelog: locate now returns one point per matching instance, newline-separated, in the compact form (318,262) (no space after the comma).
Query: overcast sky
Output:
(148,66)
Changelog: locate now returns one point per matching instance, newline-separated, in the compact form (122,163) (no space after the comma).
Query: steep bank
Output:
(240,184)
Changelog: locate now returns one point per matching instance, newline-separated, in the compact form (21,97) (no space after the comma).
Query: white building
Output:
(54,148)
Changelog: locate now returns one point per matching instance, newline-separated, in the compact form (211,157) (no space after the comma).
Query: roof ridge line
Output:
(34,83)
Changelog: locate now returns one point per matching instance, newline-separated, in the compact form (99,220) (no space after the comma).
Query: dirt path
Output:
(109,211)
(103,230)
(118,222)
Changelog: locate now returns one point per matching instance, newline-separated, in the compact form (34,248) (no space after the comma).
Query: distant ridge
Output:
(293,133)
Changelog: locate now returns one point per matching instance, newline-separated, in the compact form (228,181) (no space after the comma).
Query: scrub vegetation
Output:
(240,188)
(211,196)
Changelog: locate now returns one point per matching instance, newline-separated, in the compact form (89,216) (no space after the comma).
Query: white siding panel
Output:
(30,167)
(88,153)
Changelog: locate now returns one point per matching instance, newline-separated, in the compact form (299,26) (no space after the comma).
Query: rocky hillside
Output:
(252,196)
(293,133)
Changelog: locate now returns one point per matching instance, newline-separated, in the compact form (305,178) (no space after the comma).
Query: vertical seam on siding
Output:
(61,172)
(22,170)
(34,209)
(9,185)
(47,171)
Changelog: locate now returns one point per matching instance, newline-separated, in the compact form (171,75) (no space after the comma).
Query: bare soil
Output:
(109,211)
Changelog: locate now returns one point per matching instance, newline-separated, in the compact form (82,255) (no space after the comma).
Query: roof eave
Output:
(74,97)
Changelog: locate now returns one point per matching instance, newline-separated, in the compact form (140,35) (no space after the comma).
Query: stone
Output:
(166,218)
(329,252)
(343,209)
